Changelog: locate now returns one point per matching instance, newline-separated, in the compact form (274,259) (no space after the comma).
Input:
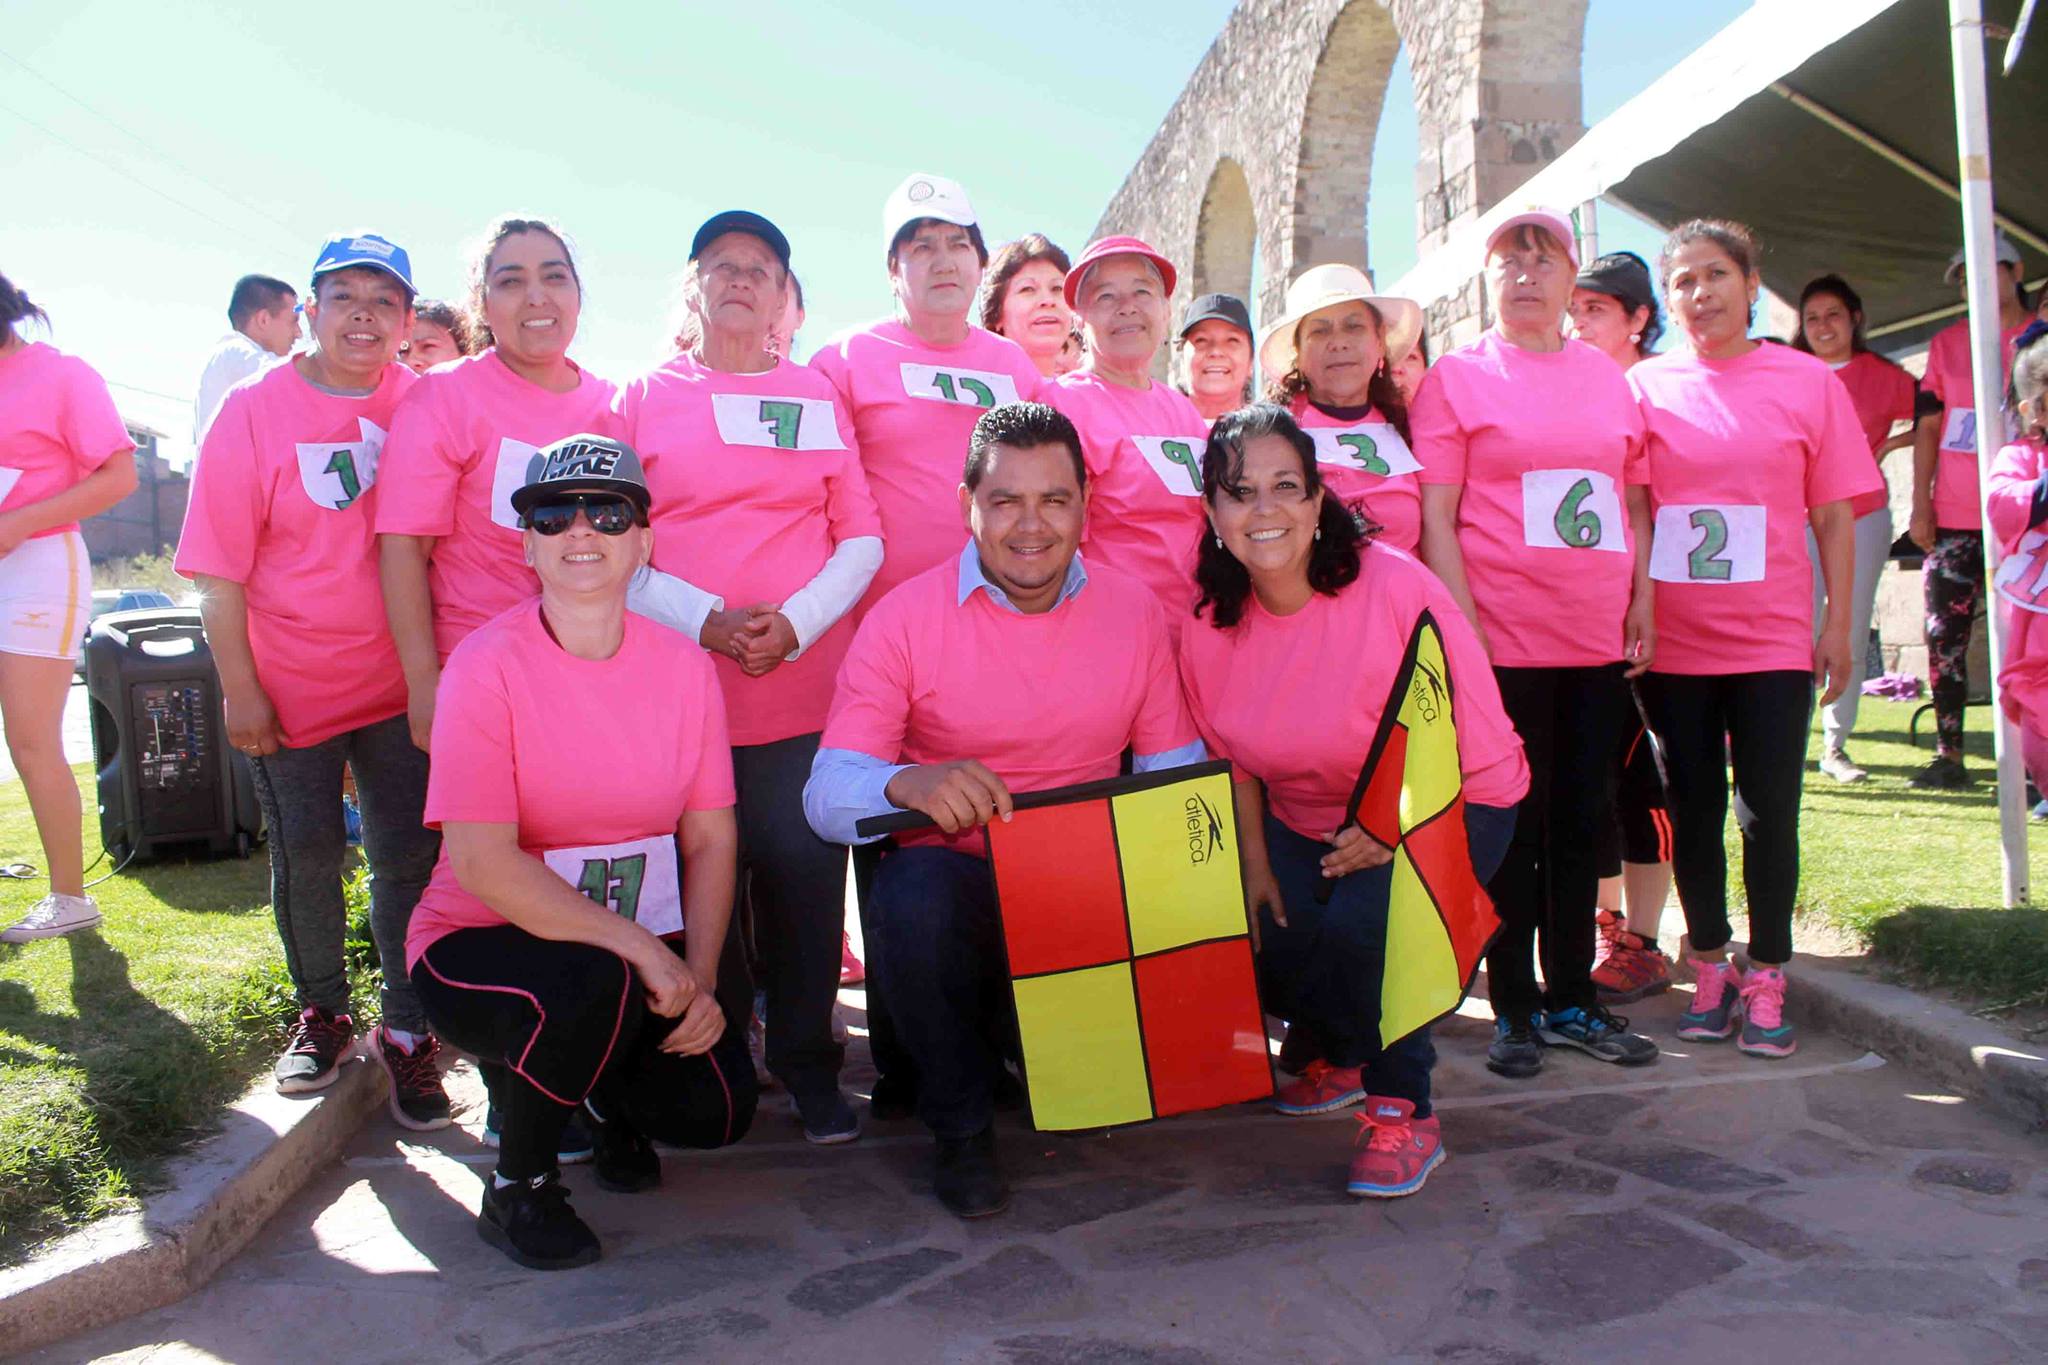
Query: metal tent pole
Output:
(1987,363)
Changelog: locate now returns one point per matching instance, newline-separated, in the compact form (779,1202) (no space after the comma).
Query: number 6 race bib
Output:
(638,879)
(1571,509)
(1177,460)
(1703,543)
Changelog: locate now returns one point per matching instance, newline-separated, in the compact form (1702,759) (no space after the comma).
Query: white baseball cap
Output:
(924,196)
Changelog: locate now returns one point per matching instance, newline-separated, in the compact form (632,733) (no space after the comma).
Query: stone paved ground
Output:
(1832,1207)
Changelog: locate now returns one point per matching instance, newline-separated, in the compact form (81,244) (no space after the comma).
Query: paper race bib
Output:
(1959,431)
(1177,460)
(1700,542)
(2023,573)
(8,478)
(749,419)
(946,384)
(515,460)
(1373,447)
(337,473)
(639,879)
(1571,509)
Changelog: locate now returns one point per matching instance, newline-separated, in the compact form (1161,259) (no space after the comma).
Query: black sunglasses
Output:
(608,514)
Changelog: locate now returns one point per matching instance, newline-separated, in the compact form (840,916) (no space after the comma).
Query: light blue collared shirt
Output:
(847,786)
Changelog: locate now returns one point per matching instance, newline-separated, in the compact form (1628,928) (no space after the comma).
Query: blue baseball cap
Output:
(368,250)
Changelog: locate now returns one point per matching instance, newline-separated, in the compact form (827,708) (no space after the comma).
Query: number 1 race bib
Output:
(1177,460)
(639,879)
(1571,509)
(1959,431)
(2023,573)
(8,478)
(1373,447)
(336,473)
(515,458)
(1701,543)
(944,384)
(747,419)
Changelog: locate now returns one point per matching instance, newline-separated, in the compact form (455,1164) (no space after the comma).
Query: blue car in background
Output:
(105,600)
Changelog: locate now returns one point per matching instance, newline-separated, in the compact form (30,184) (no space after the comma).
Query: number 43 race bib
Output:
(1702,543)
(639,879)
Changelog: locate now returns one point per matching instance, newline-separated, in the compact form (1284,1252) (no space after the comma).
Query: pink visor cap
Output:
(1117,246)
(1550,220)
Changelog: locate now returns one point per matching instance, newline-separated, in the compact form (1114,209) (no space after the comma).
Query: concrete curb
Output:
(218,1196)
(1971,1054)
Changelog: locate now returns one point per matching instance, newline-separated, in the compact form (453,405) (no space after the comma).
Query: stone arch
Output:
(1333,155)
(1226,231)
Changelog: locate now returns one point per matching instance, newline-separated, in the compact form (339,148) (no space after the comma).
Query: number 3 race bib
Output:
(1177,460)
(638,879)
(336,473)
(1571,509)
(1701,543)
(975,388)
(1373,447)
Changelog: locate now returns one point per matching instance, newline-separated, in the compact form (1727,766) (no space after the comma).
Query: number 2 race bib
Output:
(944,384)
(336,473)
(1373,447)
(1571,509)
(748,419)
(639,879)
(1177,460)
(1700,543)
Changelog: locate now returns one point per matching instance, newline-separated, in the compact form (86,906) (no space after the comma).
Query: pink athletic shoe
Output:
(1716,1003)
(1319,1089)
(1764,1030)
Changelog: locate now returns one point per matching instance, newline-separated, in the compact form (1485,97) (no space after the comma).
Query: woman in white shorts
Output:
(63,457)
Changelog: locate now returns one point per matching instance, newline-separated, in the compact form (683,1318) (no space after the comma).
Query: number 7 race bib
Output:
(639,879)
(1571,509)
(1699,542)
(748,419)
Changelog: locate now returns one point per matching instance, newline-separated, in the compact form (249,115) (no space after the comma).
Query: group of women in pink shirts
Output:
(1607,537)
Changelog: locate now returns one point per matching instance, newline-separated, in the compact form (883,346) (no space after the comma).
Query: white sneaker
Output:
(53,916)
(1837,764)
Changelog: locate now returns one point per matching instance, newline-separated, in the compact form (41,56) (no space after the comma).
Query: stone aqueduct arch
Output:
(1271,140)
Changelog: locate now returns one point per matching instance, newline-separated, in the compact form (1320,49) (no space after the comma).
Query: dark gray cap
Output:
(1224,307)
(1620,275)
(741,220)
(583,463)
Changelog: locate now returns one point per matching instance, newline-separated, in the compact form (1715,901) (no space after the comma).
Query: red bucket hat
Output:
(1117,246)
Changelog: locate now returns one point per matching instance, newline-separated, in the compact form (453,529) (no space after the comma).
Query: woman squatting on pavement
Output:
(1749,444)
(572,931)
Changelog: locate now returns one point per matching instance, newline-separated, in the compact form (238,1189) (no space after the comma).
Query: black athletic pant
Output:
(1570,721)
(892,1060)
(1757,722)
(567,1021)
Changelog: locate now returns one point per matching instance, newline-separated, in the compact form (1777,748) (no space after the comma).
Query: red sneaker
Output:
(851,973)
(1396,1150)
(1319,1089)
(1627,967)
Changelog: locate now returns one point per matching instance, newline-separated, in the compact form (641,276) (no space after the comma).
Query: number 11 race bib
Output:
(1571,509)
(1702,543)
(2023,574)
(1177,460)
(639,879)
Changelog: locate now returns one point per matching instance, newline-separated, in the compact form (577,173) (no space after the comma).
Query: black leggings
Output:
(1570,721)
(568,1021)
(1758,723)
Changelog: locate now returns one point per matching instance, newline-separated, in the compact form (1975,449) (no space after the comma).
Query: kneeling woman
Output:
(1308,619)
(583,787)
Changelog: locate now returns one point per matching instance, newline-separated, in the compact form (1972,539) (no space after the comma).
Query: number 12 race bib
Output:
(945,384)
(1177,460)
(1571,509)
(748,419)
(1373,447)
(1702,543)
(336,473)
(639,879)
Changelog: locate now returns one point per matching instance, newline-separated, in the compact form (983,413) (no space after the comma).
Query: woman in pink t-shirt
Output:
(1885,396)
(1308,622)
(2018,501)
(439,335)
(1142,440)
(447,538)
(1021,298)
(1749,444)
(63,457)
(572,932)
(1326,360)
(760,499)
(1534,516)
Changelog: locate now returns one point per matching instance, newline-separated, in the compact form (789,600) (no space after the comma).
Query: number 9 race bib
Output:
(1177,460)
(1700,542)
(638,879)
(1571,509)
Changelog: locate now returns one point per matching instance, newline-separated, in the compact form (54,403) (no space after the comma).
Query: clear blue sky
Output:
(154,152)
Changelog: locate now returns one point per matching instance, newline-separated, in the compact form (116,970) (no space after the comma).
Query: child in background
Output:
(2018,501)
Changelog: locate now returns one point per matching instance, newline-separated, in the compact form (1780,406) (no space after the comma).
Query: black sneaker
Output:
(1514,1051)
(418,1100)
(625,1161)
(968,1181)
(1596,1033)
(892,1098)
(576,1146)
(1943,774)
(533,1224)
(826,1116)
(312,1058)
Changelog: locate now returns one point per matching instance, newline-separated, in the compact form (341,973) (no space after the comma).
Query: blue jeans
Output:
(937,954)
(1321,971)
